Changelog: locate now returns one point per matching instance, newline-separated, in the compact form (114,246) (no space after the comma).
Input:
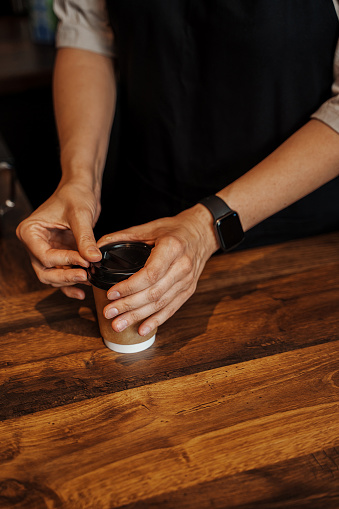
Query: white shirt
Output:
(84,24)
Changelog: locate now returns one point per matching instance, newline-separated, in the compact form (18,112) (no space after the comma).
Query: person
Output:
(225,98)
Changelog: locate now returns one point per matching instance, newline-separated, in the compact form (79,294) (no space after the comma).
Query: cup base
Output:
(137,347)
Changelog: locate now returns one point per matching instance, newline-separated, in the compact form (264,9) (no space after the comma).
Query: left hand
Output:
(182,245)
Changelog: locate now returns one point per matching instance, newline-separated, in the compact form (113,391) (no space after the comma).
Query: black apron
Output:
(207,89)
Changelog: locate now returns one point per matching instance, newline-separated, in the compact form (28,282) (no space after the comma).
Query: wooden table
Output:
(235,405)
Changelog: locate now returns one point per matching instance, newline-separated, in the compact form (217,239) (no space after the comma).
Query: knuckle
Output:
(155,324)
(133,317)
(152,274)
(69,278)
(174,244)
(124,307)
(69,259)
(45,261)
(127,288)
(154,294)
(86,238)
(190,291)
(160,304)
(154,321)
(186,264)
(21,229)
(170,311)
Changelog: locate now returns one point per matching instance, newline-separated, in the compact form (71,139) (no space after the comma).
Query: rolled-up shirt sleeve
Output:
(329,111)
(84,24)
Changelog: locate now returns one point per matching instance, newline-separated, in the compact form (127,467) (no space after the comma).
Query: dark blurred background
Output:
(27,127)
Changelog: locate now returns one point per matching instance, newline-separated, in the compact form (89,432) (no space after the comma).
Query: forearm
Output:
(306,161)
(84,100)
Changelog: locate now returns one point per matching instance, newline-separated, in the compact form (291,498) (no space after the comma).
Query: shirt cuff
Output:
(329,113)
(69,36)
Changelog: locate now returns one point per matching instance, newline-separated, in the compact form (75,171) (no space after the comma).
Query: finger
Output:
(164,314)
(61,277)
(40,248)
(153,319)
(162,258)
(155,295)
(73,292)
(58,277)
(141,233)
(81,226)
(125,309)
(64,257)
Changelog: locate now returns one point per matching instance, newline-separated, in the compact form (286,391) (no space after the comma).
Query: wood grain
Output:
(235,406)
(310,481)
(179,433)
(259,264)
(59,359)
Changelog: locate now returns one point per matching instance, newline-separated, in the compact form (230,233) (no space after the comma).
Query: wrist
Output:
(205,226)
(81,173)
(226,222)
(78,185)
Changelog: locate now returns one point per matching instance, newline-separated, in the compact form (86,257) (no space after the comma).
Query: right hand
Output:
(59,235)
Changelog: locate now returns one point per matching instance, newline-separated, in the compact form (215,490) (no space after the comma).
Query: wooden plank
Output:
(260,264)
(61,361)
(17,276)
(310,481)
(46,306)
(221,272)
(173,435)
(51,305)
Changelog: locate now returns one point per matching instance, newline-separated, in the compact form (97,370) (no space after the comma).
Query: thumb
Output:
(81,226)
(147,232)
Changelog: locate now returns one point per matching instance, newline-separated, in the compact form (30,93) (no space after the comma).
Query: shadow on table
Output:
(189,322)
(70,316)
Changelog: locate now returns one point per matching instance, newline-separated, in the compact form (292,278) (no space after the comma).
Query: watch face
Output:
(230,231)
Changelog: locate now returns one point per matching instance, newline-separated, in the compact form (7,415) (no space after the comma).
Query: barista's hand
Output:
(59,234)
(182,245)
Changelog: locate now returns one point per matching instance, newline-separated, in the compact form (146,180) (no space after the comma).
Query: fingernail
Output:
(145,330)
(113,295)
(121,325)
(111,313)
(79,279)
(94,250)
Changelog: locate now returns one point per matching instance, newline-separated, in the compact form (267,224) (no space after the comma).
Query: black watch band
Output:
(227,224)
(216,206)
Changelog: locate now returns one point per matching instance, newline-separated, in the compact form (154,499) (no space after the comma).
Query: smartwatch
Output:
(227,224)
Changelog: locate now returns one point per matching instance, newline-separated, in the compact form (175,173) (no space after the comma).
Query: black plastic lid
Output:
(119,261)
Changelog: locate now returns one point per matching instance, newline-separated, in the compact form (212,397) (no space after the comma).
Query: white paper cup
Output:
(120,260)
(126,341)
